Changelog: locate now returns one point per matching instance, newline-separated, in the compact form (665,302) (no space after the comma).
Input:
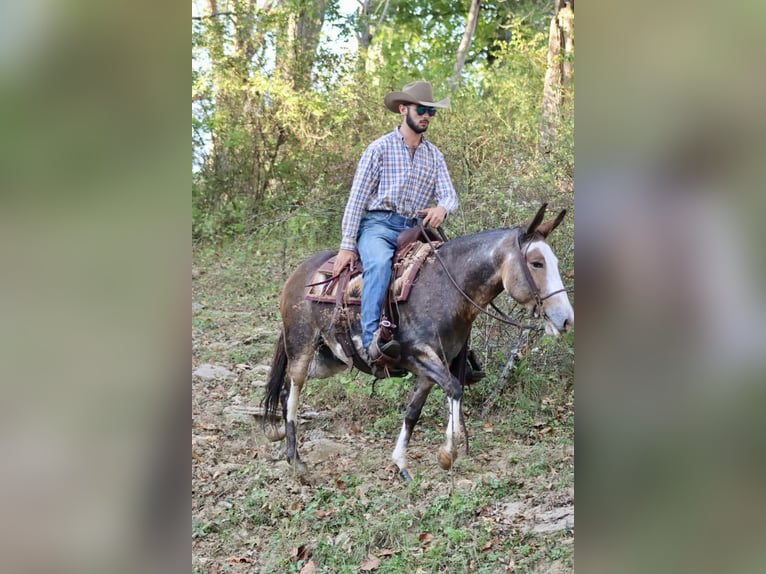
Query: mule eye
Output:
(536,264)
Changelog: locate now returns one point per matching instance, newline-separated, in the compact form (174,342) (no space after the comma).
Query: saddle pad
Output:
(323,287)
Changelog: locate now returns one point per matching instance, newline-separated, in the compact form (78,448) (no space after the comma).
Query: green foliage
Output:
(273,162)
(266,149)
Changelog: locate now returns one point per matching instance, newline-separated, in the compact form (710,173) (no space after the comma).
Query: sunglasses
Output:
(421,110)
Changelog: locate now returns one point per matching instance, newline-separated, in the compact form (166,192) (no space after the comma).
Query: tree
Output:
(280,118)
(365,31)
(560,71)
(298,46)
(465,43)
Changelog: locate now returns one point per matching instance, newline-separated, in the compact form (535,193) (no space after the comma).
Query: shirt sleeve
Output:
(446,196)
(365,185)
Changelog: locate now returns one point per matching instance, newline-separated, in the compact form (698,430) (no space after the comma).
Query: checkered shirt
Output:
(389,178)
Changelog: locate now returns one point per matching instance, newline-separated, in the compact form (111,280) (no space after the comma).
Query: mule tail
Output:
(275,385)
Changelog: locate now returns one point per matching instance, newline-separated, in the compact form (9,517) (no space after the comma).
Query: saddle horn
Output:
(545,228)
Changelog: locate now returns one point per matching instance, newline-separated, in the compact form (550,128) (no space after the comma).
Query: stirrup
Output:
(390,350)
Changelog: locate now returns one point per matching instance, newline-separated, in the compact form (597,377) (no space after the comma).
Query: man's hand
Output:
(345,258)
(433,216)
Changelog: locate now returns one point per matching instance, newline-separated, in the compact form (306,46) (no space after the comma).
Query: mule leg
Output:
(296,375)
(429,365)
(417,400)
(448,452)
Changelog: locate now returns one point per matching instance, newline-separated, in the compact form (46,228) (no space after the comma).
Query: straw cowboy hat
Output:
(414,93)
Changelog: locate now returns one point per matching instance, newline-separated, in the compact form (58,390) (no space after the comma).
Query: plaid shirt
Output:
(389,178)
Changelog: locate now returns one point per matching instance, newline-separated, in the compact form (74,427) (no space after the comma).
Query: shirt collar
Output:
(398,133)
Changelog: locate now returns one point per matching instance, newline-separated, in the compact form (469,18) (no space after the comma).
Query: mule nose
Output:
(568,324)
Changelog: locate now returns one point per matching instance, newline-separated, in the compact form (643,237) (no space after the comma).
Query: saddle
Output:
(408,258)
(412,250)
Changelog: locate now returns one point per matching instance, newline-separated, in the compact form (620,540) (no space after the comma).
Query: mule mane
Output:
(478,241)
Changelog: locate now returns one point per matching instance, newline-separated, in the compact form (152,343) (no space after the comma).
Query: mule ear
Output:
(545,228)
(536,220)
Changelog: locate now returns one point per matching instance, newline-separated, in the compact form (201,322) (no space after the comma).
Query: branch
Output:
(514,355)
(382,14)
(214,15)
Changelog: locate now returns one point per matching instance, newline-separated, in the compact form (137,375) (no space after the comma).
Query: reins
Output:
(502,317)
(499,315)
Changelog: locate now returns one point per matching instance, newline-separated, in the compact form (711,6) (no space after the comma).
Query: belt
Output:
(408,221)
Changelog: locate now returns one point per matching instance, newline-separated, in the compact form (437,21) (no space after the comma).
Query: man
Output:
(397,180)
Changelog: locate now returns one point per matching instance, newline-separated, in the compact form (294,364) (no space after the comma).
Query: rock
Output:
(513,509)
(555,520)
(209,372)
(241,414)
(261,370)
(324,449)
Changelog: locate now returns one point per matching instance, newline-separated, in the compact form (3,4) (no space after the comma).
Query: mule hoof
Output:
(274,434)
(405,475)
(446,459)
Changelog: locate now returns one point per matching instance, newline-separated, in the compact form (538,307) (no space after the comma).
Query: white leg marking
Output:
(292,402)
(454,430)
(399,455)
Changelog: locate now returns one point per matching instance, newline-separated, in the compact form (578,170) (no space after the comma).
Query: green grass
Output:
(446,533)
(441,521)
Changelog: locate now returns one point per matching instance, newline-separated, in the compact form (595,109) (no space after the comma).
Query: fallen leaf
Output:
(487,426)
(372,563)
(538,424)
(511,566)
(308,567)
(196,457)
(385,552)
(425,538)
(546,430)
(487,546)
(302,552)
(239,560)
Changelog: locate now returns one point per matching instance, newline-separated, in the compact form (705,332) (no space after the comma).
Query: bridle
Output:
(501,316)
(531,282)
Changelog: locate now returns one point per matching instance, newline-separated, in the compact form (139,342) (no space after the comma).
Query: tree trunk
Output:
(365,31)
(465,43)
(299,47)
(560,71)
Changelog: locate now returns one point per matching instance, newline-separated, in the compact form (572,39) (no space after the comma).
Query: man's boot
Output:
(384,352)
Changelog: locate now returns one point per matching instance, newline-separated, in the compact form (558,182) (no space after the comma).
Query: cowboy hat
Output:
(414,93)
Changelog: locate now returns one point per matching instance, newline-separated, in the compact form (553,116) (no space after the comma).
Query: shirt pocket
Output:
(424,175)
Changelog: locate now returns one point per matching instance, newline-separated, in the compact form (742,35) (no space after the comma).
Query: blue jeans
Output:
(376,243)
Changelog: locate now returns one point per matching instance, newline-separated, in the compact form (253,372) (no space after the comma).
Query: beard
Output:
(413,126)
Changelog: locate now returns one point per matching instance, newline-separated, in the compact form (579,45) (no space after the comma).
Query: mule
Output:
(434,324)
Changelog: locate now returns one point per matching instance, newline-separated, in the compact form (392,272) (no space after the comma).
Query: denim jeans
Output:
(376,243)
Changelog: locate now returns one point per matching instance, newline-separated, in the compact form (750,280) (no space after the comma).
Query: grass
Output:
(443,533)
(440,522)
